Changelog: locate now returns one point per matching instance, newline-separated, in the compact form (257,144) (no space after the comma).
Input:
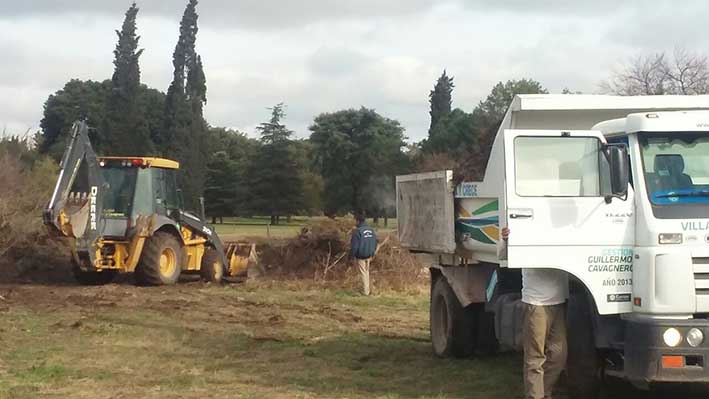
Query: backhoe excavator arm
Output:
(75,209)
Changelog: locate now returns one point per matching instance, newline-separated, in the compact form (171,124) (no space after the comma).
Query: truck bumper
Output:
(645,349)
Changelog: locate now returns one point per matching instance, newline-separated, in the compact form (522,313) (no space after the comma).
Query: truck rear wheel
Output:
(452,326)
(583,365)
(211,269)
(161,261)
(486,343)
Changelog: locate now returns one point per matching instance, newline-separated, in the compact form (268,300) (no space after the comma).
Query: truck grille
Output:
(701,275)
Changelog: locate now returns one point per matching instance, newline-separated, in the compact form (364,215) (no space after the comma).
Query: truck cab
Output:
(669,157)
(614,191)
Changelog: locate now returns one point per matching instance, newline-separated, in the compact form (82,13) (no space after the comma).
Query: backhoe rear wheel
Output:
(161,261)
(211,269)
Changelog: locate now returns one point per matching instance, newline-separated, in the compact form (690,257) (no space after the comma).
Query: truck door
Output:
(556,209)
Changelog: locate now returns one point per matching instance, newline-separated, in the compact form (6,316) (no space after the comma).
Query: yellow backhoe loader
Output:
(125,214)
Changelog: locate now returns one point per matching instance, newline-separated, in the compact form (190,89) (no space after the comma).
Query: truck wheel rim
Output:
(217,270)
(168,262)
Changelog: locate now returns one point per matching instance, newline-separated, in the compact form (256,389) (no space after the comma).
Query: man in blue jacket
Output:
(362,248)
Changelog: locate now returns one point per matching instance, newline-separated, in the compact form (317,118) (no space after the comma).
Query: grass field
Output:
(258,227)
(262,340)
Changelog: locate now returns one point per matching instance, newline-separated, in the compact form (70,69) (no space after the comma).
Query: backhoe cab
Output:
(126,214)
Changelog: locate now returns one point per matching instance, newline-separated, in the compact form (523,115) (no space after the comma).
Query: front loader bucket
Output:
(241,256)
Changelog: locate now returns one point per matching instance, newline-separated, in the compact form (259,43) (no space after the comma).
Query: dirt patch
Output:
(45,262)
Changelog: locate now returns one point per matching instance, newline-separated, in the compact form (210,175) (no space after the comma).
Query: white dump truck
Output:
(612,190)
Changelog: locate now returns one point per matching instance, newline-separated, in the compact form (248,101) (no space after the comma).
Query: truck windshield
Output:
(676,167)
(118,196)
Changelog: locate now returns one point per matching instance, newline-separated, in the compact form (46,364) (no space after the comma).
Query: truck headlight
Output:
(672,337)
(695,337)
(670,238)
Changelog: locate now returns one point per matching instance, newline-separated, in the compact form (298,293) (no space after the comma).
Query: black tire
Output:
(583,366)
(93,278)
(211,269)
(161,261)
(452,326)
(486,340)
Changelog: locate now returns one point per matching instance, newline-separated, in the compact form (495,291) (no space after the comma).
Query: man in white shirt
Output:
(544,294)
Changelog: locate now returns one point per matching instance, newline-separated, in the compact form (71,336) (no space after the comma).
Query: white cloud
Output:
(324,55)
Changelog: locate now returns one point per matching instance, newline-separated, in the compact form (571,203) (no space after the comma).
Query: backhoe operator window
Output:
(165,187)
(557,166)
(120,186)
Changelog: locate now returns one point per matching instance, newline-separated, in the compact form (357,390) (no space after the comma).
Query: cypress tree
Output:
(125,130)
(185,130)
(440,100)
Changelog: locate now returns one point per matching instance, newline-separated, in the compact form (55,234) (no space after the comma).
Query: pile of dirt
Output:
(321,253)
(45,262)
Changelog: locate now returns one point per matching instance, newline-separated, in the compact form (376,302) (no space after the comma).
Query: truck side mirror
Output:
(620,170)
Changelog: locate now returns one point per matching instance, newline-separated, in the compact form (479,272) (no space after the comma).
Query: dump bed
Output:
(425,212)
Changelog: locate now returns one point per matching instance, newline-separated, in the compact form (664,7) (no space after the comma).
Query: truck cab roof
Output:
(581,111)
(675,121)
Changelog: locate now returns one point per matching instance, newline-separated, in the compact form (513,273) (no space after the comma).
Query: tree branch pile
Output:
(27,186)
(321,253)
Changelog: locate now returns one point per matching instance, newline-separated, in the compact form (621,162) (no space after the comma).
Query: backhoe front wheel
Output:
(211,269)
(161,261)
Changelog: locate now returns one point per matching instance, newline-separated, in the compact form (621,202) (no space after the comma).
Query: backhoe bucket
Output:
(241,256)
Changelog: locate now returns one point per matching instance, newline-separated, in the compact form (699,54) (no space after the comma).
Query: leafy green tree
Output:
(221,188)
(152,103)
(313,188)
(453,133)
(276,180)
(184,136)
(126,131)
(88,100)
(487,117)
(462,141)
(77,100)
(352,147)
(491,111)
(227,188)
(313,184)
(440,100)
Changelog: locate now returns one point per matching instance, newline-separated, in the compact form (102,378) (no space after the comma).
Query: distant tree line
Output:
(348,162)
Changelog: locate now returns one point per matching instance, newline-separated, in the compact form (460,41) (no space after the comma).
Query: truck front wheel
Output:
(583,365)
(451,325)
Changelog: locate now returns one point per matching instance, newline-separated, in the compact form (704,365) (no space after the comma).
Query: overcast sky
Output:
(325,55)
